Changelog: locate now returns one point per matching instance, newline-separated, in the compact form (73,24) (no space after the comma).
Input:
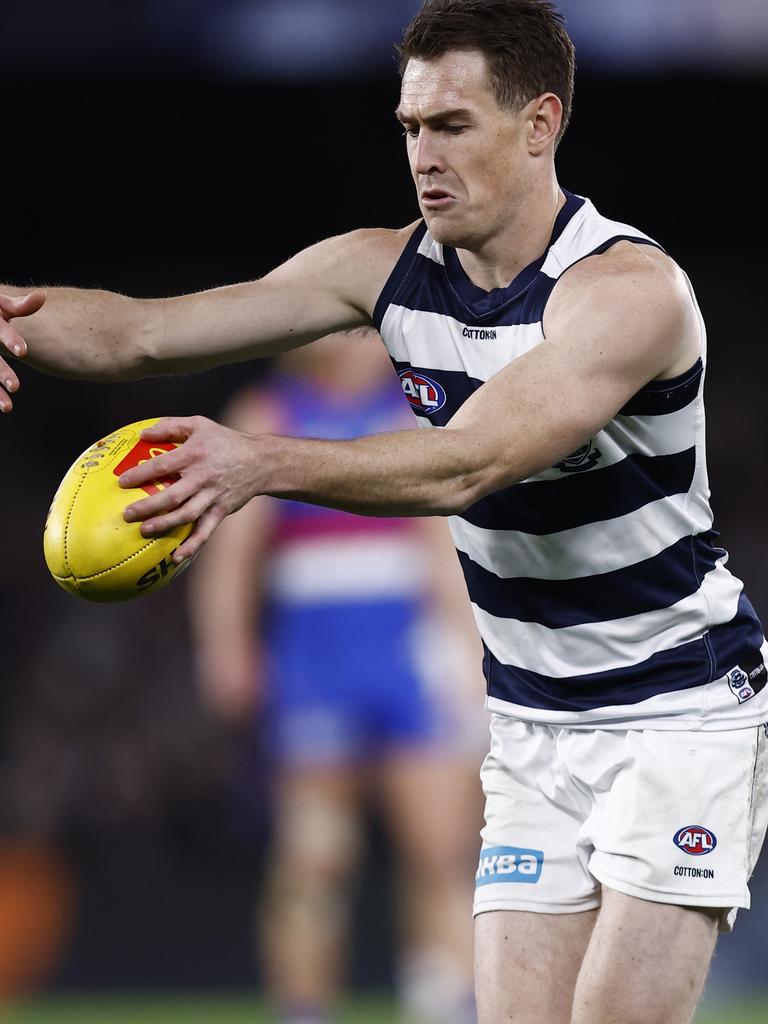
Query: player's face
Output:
(468,157)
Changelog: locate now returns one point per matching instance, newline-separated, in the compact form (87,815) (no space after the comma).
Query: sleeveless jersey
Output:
(597,585)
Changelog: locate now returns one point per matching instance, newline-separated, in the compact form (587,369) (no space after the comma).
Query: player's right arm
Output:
(98,335)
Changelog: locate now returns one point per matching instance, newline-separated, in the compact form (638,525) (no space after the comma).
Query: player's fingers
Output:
(204,527)
(187,512)
(21,305)
(9,384)
(11,339)
(171,428)
(166,500)
(160,468)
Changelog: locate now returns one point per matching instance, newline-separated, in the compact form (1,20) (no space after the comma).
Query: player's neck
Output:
(495,263)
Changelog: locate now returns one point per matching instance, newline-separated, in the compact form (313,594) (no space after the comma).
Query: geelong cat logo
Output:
(424,394)
(695,840)
(583,458)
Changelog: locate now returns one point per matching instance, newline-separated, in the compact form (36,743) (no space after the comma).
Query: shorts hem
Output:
(536,908)
(715,901)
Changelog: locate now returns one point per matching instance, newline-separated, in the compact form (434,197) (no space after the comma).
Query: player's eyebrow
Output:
(437,117)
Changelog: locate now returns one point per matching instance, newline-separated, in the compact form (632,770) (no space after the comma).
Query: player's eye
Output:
(410,131)
(455,129)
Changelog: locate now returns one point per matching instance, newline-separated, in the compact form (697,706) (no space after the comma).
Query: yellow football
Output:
(89,548)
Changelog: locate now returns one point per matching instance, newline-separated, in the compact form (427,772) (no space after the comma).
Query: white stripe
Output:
(583,233)
(333,568)
(431,249)
(668,434)
(583,550)
(605,646)
(435,341)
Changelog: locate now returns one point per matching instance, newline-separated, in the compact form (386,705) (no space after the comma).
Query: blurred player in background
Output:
(334,625)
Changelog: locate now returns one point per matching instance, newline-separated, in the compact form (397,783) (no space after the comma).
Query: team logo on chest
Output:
(424,394)
(583,458)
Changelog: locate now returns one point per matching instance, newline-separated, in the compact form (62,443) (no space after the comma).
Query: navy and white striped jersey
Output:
(597,585)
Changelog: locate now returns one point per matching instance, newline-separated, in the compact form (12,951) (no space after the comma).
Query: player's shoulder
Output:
(626,276)
(254,409)
(383,245)
(637,296)
(364,259)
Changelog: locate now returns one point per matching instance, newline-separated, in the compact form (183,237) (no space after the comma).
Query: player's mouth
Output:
(436,198)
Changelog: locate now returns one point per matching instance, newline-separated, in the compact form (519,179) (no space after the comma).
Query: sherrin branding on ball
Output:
(89,548)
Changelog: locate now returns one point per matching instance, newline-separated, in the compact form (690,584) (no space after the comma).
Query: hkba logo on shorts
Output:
(424,394)
(508,864)
(695,840)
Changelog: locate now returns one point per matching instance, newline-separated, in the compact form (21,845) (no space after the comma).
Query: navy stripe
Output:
(655,583)
(424,286)
(664,396)
(480,303)
(456,384)
(549,506)
(399,272)
(610,242)
(692,664)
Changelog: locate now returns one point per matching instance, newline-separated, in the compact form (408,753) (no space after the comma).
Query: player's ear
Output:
(544,117)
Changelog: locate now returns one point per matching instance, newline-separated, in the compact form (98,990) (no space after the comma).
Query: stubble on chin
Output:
(443,231)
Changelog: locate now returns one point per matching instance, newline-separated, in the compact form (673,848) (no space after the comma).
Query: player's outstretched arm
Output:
(98,335)
(614,323)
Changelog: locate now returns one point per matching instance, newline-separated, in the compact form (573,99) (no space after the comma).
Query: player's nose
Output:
(427,158)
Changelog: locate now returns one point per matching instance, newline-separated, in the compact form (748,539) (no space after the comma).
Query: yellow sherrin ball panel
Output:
(89,548)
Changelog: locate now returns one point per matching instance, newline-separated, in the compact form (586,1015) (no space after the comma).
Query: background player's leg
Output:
(433,805)
(526,965)
(305,908)
(646,962)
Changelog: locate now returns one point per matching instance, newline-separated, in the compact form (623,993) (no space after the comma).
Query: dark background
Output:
(153,180)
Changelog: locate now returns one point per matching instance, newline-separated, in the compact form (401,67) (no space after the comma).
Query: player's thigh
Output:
(646,962)
(317,824)
(527,963)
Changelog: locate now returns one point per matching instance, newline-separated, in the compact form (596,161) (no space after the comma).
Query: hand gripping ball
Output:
(89,548)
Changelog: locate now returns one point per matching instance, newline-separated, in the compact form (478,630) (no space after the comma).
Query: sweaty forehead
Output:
(456,79)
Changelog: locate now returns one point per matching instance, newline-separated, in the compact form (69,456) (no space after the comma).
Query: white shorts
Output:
(672,817)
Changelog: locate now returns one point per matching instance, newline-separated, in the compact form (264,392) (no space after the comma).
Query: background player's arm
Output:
(614,322)
(226,589)
(100,335)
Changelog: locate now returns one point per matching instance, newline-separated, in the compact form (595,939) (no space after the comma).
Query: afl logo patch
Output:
(424,394)
(695,840)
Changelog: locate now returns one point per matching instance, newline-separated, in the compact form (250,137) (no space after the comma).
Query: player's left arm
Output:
(613,323)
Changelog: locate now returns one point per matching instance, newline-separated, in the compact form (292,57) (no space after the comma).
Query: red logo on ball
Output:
(143,451)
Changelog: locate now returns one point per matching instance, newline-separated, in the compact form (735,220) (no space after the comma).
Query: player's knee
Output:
(316,839)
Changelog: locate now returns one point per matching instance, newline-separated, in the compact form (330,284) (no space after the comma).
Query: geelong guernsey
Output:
(597,585)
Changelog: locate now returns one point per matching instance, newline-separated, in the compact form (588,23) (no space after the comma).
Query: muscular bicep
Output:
(610,329)
(328,287)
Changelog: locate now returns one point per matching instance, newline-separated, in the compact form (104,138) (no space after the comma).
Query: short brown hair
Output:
(526,46)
